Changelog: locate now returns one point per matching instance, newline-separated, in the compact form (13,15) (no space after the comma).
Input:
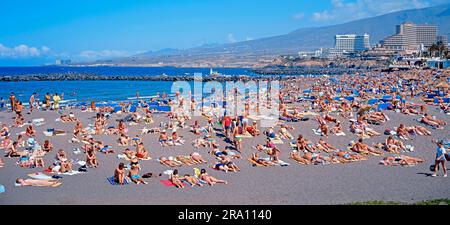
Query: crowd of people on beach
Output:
(364,101)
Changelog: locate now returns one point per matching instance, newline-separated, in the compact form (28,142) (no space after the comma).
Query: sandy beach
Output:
(294,184)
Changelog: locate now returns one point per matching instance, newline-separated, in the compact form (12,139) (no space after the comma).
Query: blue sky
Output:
(38,32)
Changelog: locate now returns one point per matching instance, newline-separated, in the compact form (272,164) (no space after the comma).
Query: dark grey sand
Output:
(294,184)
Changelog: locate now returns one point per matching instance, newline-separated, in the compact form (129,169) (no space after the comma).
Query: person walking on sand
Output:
(440,158)
(31,102)
(12,99)
(56,100)
(47,100)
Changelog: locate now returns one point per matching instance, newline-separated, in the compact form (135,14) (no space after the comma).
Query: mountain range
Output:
(259,51)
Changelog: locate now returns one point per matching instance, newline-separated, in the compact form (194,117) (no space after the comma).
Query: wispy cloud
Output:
(103,54)
(298,16)
(231,38)
(343,11)
(23,51)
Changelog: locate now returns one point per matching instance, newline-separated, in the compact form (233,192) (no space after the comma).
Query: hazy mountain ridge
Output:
(250,52)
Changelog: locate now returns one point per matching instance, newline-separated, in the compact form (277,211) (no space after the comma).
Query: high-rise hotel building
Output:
(351,43)
(410,36)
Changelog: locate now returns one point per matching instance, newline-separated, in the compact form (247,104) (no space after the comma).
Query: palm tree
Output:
(432,49)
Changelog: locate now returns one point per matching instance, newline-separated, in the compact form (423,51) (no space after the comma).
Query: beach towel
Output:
(70,173)
(40,176)
(169,183)
(340,134)
(279,163)
(317,132)
(38,122)
(245,135)
(113,182)
(2,189)
(186,183)
(277,140)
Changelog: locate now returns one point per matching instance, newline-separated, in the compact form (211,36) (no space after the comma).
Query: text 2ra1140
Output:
(231,214)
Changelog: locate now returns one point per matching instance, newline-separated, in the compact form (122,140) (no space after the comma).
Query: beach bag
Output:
(447,156)
(432,168)
(82,169)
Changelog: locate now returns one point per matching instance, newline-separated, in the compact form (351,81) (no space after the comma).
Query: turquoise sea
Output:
(85,91)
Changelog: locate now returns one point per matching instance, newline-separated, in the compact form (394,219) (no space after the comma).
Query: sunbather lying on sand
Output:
(303,144)
(403,132)
(255,159)
(360,147)
(197,158)
(38,183)
(168,162)
(296,156)
(401,160)
(346,156)
(322,145)
(192,180)
(210,179)
(284,133)
(429,120)
(393,145)
(217,152)
(68,118)
(225,164)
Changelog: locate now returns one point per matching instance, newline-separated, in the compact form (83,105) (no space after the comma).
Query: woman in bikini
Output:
(47,146)
(175,179)
(322,145)
(141,152)
(30,132)
(64,162)
(168,162)
(38,183)
(91,158)
(11,150)
(135,176)
(210,179)
(192,180)
(196,157)
(119,174)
